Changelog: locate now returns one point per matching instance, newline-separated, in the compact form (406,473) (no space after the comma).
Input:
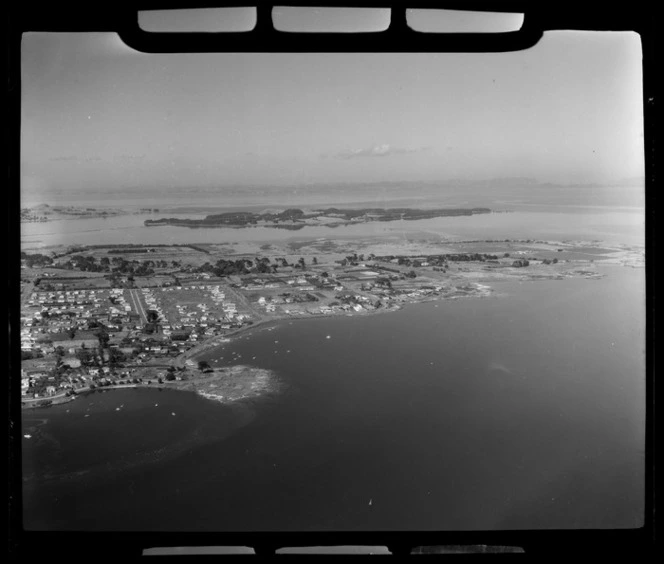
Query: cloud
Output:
(383,150)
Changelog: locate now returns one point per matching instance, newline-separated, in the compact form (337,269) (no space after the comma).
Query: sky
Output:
(97,115)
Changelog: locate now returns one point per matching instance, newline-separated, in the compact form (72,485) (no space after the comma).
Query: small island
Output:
(331,217)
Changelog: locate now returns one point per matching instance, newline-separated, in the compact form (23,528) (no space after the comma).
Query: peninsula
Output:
(109,315)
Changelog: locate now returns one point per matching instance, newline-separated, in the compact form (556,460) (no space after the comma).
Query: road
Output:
(242,299)
(26,292)
(54,398)
(136,299)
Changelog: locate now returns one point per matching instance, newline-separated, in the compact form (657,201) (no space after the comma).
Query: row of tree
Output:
(241,266)
(36,259)
(88,263)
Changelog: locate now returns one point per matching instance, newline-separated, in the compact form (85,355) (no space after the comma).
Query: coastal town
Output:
(138,315)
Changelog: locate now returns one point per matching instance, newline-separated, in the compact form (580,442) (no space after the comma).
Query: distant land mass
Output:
(450,184)
(496,193)
(295,218)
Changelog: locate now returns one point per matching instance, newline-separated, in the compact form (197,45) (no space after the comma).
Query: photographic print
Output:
(318,291)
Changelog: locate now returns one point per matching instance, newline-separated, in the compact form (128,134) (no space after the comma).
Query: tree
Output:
(314,260)
(384,282)
(84,356)
(103,338)
(203,365)
(170,376)
(115,356)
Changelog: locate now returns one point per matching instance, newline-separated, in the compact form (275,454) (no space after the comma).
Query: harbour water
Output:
(610,225)
(521,410)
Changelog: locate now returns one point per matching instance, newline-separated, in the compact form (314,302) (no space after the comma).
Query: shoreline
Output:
(479,290)
(215,342)
(60,400)
(486,291)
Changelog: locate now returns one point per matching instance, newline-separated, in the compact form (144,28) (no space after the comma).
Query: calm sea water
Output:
(524,410)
